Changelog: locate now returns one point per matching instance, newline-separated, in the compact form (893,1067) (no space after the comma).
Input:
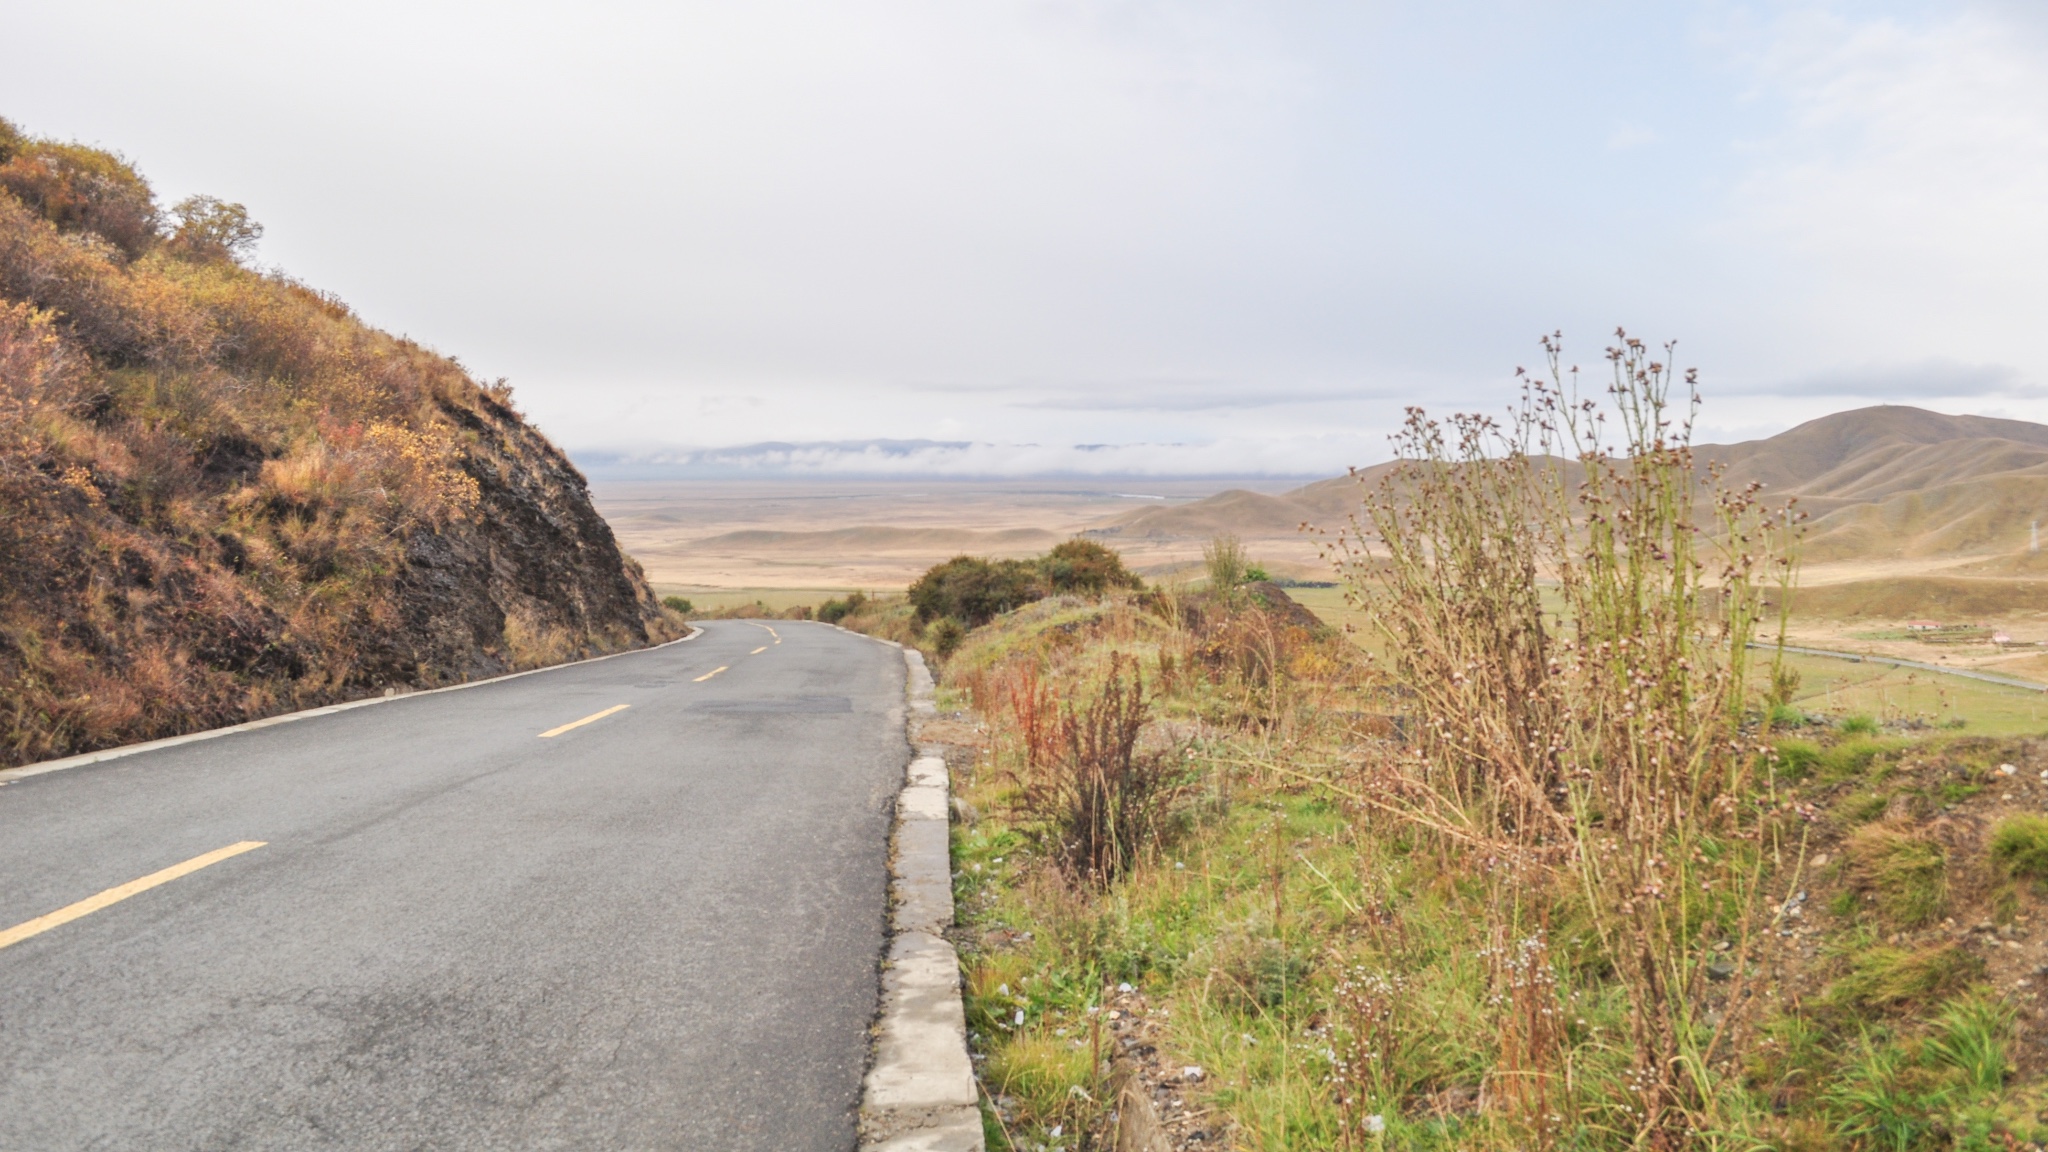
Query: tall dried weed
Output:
(1567,602)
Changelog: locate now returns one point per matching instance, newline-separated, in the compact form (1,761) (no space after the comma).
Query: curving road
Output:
(657,930)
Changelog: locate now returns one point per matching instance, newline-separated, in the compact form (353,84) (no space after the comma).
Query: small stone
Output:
(1721,969)
(1191,1073)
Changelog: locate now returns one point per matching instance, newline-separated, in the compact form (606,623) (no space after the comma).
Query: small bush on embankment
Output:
(966,592)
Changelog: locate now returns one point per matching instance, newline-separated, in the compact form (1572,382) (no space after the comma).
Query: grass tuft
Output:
(1884,979)
(2019,846)
(1902,873)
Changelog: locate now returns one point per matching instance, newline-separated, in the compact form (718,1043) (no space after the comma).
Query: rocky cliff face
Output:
(534,577)
(223,496)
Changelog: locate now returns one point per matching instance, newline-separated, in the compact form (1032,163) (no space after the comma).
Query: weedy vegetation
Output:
(1548,860)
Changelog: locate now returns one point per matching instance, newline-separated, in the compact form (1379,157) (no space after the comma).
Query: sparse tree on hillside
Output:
(215,228)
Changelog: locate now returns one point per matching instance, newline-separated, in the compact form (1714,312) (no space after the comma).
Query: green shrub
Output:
(973,590)
(833,611)
(1859,726)
(678,604)
(1083,566)
(1786,716)
(2019,846)
(1904,873)
(946,635)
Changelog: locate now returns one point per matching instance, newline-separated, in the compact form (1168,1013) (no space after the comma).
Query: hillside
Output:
(1881,483)
(226,496)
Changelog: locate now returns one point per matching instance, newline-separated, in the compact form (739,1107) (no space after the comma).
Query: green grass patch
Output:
(1886,979)
(1902,873)
(2019,846)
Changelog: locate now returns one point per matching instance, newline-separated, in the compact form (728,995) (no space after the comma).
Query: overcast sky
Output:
(1217,237)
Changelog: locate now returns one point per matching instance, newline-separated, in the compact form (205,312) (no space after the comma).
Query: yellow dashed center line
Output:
(587,719)
(758,651)
(91,904)
(710,674)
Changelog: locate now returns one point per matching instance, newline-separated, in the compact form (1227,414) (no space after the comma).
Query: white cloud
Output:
(890,458)
(1211,231)
(1905,190)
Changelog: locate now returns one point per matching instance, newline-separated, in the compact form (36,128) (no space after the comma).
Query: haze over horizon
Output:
(1124,238)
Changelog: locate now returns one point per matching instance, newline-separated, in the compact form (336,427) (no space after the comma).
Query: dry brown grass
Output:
(1595,754)
(219,484)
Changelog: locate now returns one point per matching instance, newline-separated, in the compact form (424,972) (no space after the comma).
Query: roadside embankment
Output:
(227,497)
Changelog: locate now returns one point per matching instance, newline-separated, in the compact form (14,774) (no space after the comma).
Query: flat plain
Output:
(794,541)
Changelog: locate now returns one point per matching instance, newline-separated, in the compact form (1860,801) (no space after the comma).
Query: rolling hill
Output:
(1882,483)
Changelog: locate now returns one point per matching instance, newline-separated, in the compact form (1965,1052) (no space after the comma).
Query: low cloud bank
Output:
(964,458)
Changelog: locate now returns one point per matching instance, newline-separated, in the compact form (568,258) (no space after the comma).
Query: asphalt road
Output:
(660,929)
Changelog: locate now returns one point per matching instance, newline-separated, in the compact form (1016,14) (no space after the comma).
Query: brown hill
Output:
(1882,482)
(1898,482)
(222,495)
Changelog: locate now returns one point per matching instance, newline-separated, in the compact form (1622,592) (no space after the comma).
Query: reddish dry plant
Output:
(1573,644)
(1100,800)
(1527,1080)
(1018,689)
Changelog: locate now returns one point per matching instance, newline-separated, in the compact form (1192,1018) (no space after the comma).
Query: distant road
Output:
(1897,662)
(655,930)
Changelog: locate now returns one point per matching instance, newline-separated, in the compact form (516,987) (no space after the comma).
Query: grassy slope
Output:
(1283,928)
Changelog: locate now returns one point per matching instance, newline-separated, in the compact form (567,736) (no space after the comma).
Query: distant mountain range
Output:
(1887,482)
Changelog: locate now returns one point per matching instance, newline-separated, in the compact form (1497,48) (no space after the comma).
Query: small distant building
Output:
(2000,638)
(1922,626)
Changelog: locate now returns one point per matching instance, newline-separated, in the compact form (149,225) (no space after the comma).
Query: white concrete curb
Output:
(8,775)
(920,1094)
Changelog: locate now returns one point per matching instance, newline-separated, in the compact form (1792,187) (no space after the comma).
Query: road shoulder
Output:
(920,1094)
